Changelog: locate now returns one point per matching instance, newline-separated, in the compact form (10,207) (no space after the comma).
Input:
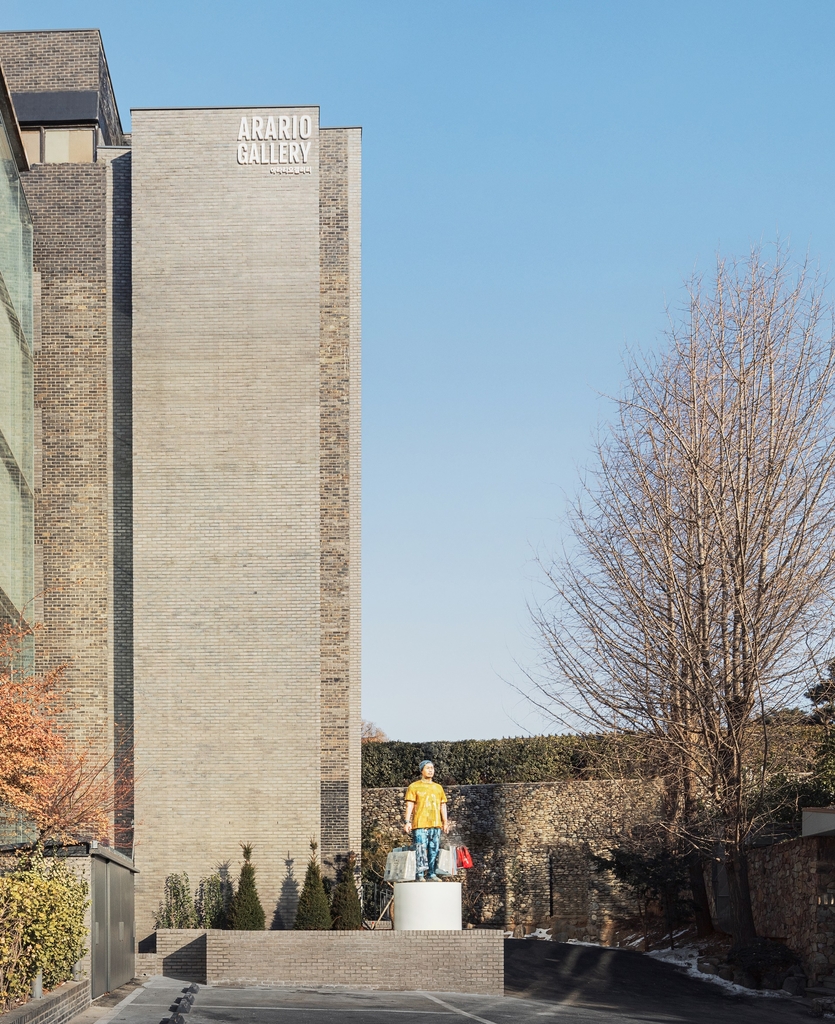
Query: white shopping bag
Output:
(447,862)
(400,865)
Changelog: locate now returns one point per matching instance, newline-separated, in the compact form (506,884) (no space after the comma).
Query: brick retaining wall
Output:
(56,1007)
(181,953)
(466,961)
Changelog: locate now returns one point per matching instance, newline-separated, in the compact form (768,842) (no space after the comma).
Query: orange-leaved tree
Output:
(66,792)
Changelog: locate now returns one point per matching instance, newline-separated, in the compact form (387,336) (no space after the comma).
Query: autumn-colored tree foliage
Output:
(67,792)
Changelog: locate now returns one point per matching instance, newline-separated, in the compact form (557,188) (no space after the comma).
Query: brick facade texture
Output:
(72,61)
(82,527)
(467,961)
(242,507)
(533,846)
(197,477)
(72,506)
(339,489)
(56,1007)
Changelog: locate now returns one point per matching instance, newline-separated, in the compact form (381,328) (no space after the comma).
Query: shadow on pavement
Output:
(633,984)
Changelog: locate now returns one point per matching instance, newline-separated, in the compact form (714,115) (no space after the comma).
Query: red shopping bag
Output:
(465,859)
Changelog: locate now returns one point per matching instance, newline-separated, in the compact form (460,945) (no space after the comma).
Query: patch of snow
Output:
(579,942)
(687,957)
(540,933)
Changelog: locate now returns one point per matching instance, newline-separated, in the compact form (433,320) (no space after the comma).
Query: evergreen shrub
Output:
(346,909)
(212,902)
(247,912)
(313,913)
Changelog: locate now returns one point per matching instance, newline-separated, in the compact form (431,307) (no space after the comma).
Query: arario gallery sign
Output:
(281,142)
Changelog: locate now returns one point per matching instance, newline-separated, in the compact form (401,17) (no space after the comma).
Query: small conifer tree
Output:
(313,912)
(346,909)
(247,912)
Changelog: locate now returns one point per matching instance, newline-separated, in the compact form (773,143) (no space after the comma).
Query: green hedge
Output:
(42,907)
(794,747)
(473,762)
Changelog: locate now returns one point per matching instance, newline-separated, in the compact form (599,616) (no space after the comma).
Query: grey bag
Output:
(401,865)
(447,862)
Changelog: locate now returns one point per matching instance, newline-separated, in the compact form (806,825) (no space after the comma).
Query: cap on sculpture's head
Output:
(423,764)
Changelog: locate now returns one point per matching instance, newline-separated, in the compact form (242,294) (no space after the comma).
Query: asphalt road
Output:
(622,985)
(571,984)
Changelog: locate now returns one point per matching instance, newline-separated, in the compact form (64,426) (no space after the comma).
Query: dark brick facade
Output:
(334,522)
(62,61)
(68,203)
(82,253)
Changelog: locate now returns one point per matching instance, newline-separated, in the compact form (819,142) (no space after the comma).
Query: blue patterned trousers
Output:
(427,844)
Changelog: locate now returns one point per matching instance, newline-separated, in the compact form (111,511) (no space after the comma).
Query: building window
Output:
(69,146)
(32,145)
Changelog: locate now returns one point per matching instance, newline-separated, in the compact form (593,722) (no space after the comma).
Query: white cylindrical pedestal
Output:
(427,906)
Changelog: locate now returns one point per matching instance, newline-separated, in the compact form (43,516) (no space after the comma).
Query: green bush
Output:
(42,907)
(346,909)
(477,762)
(212,902)
(247,912)
(313,913)
(177,907)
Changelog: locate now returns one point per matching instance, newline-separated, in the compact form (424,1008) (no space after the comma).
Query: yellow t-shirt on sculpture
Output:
(427,798)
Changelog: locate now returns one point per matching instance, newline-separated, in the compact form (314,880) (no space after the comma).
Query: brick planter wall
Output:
(56,1007)
(466,961)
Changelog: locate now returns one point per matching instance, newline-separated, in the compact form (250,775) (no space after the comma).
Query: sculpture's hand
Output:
(407,828)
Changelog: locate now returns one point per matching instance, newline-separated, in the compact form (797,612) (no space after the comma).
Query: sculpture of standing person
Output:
(426,815)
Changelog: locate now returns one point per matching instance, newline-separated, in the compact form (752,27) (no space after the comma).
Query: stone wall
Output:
(793,896)
(533,846)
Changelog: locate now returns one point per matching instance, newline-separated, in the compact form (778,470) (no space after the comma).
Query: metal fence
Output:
(376,903)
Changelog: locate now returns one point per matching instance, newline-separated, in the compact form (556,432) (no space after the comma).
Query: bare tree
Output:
(697,586)
(372,733)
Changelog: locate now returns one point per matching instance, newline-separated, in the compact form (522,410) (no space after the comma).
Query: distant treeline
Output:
(473,762)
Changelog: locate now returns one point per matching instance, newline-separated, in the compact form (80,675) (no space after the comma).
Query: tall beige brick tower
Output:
(246,265)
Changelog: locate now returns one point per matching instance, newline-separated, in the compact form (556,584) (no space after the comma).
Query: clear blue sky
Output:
(539,180)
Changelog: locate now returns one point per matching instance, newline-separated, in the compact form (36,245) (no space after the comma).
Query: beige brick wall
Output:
(468,961)
(226,505)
